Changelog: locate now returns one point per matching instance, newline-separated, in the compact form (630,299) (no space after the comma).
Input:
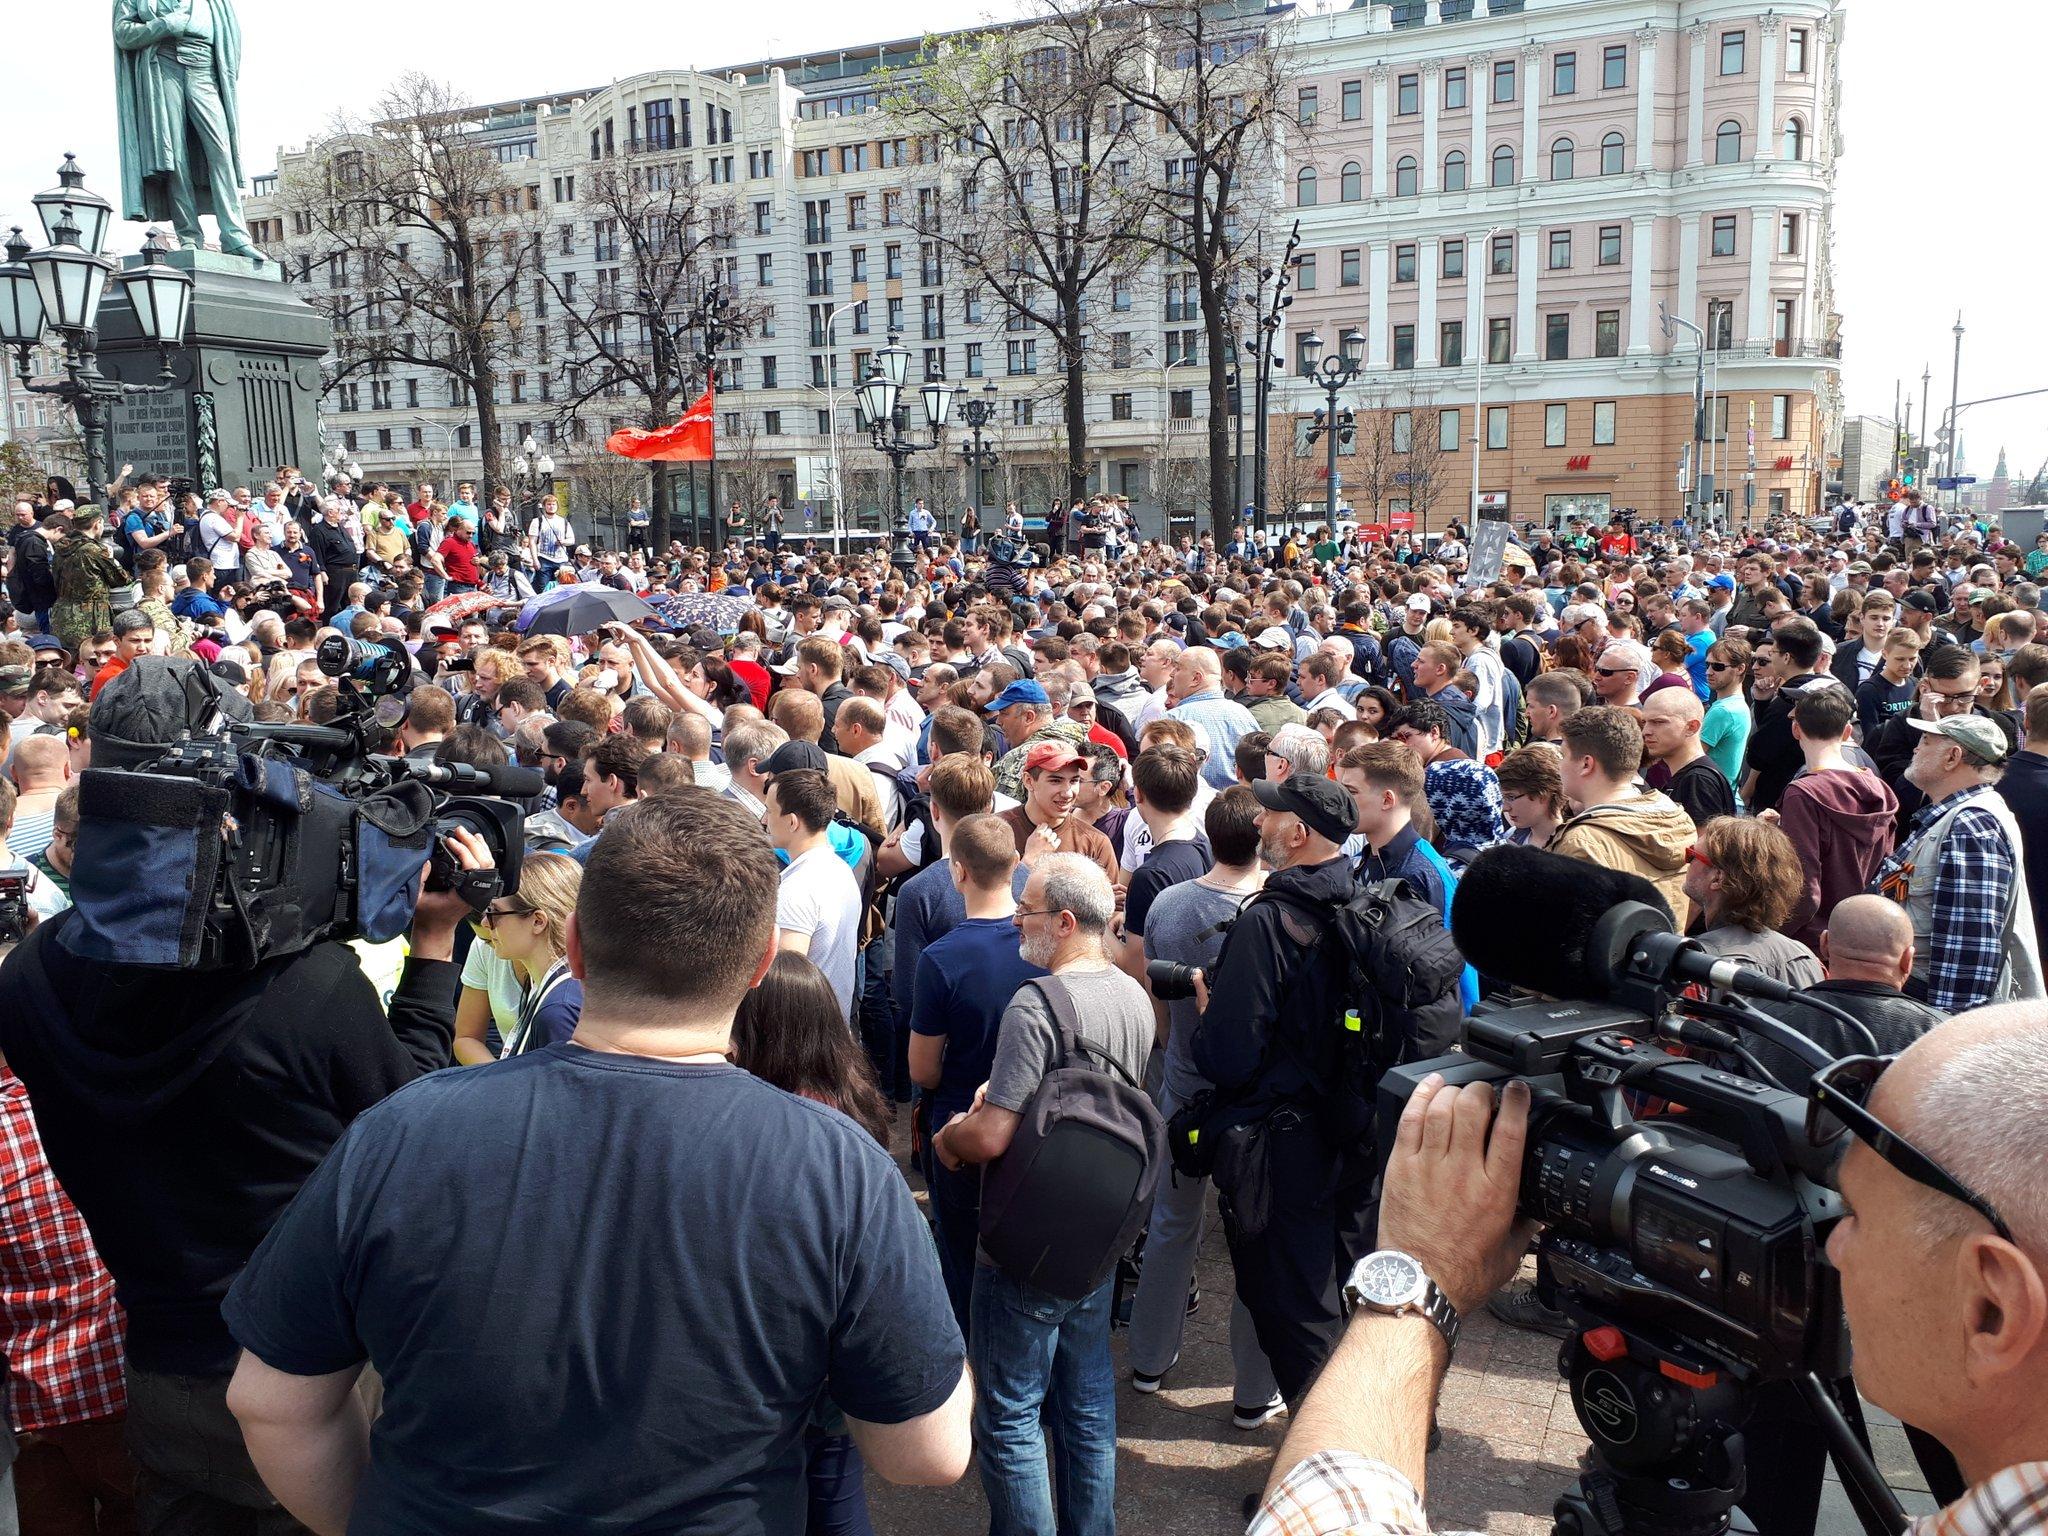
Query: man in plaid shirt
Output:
(60,1334)
(1944,1279)
(1959,876)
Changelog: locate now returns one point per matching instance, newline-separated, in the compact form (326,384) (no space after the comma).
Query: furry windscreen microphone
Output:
(1528,917)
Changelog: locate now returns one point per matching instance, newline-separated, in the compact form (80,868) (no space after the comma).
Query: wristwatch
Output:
(1394,1282)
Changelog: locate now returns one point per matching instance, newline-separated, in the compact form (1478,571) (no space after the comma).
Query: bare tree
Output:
(429,243)
(747,473)
(1294,476)
(1180,474)
(1212,81)
(1039,212)
(602,487)
(664,291)
(1428,468)
(1376,457)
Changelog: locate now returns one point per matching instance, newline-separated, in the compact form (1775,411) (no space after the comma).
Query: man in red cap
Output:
(1047,821)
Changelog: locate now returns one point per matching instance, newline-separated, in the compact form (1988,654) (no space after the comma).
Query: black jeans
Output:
(1289,1275)
(193,1476)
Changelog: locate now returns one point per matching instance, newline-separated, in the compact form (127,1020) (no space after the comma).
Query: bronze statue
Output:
(175,66)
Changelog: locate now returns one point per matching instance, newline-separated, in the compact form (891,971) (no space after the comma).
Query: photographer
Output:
(1267,1006)
(1948,1303)
(182,1111)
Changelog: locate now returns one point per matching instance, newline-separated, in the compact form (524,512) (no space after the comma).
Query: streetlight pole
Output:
(1954,394)
(448,431)
(832,421)
(1331,374)
(882,403)
(1479,263)
(1699,400)
(1264,333)
(59,288)
(716,334)
(978,412)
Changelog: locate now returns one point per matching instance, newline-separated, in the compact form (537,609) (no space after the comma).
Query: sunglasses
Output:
(1613,671)
(1838,1104)
(490,915)
(1694,855)
(1721,666)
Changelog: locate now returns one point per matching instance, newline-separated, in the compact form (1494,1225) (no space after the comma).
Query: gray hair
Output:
(1630,653)
(1059,689)
(753,740)
(1075,884)
(1303,748)
(1970,1119)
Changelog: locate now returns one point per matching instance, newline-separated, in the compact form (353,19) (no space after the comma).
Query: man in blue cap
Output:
(1023,712)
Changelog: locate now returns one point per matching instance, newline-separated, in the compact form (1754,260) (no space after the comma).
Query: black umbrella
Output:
(580,610)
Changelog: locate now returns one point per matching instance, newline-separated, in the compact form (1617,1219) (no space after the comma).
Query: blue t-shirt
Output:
(1697,647)
(965,979)
(595,1300)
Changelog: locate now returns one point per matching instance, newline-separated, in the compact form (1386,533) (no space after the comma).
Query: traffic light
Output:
(1894,489)
(1910,477)
(1347,430)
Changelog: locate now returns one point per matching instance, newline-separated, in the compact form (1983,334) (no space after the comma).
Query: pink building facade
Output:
(1507,201)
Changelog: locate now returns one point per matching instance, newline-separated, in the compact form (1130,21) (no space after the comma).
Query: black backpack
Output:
(1067,1200)
(32,583)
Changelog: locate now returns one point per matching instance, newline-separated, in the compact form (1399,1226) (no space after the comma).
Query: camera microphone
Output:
(1668,954)
(1551,924)
(492,779)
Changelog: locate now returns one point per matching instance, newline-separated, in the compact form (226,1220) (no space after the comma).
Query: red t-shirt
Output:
(459,556)
(115,666)
(1612,544)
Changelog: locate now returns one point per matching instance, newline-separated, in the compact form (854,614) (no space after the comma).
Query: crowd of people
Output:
(592,1204)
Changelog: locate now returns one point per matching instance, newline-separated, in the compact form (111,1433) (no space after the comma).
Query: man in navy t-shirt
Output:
(965,979)
(608,1283)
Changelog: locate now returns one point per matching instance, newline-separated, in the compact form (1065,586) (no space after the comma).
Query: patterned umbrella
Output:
(465,605)
(704,610)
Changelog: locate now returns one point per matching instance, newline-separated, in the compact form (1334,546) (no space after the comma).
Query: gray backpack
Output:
(1069,1197)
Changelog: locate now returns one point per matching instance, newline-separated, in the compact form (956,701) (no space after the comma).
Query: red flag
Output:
(690,438)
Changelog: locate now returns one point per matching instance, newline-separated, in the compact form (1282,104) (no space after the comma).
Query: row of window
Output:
(1564,163)
(1505,81)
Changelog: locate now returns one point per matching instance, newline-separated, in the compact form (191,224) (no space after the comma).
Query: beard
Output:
(1038,950)
(1273,853)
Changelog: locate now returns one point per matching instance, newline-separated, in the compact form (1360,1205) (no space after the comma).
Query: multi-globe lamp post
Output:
(1332,374)
(883,413)
(56,291)
(976,412)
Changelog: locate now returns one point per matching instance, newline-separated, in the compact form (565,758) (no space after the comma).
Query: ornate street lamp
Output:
(57,290)
(879,406)
(1330,424)
(978,412)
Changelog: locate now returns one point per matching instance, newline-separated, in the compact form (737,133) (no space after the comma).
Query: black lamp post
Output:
(978,412)
(59,288)
(883,408)
(1330,424)
(1268,315)
(717,330)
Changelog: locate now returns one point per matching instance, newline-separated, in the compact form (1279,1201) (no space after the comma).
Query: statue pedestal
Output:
(245,388)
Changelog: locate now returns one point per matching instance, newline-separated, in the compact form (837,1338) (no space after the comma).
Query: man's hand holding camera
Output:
(440,913)
(1449,1198)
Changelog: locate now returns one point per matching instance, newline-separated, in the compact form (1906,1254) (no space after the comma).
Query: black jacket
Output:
(2025,788)
(1895,1019)
(182,1111)
(1274,972)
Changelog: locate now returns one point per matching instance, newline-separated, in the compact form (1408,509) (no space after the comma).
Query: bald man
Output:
(1219,721)
(42,767)
(1679,765)
(1867,950)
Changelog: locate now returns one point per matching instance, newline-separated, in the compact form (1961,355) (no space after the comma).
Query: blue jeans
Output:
(1044,1371)
(886,1037)
(433,587)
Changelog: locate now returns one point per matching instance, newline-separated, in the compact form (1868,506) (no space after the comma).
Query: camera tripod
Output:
(1668,1460)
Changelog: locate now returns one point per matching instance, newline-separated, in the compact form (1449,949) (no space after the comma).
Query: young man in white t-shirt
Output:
(818,907)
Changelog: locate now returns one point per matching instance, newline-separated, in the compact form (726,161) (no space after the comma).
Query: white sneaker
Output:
(1265,1413)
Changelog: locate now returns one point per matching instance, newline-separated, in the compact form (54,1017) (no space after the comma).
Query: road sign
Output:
(1946,482)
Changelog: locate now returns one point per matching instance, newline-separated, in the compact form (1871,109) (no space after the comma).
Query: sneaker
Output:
(1148,1384)
(1522,1308)
(1264,1413)
(1194,1297)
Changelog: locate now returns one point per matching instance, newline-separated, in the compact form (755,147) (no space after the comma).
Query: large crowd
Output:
(593,1205)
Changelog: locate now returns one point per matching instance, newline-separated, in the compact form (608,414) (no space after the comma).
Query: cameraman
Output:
(181,1113)
(1269,1010)
(1948,1308)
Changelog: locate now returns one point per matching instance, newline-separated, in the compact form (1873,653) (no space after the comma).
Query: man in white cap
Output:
(1407,645)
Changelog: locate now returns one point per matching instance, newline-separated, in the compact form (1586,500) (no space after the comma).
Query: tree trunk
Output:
(1076,400)
(657,512)
(1215,336)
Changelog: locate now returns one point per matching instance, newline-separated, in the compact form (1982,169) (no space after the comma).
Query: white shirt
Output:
(1330,698)
(1137,837)
(882,765)
(222,547)
(818,896)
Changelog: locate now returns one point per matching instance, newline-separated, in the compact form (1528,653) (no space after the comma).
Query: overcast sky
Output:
(1935,206)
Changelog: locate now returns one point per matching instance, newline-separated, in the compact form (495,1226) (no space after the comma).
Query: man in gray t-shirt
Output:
(1021,1336)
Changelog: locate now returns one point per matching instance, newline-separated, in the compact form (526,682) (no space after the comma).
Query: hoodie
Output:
(1841,822)
(1645,833)
(182,1110)
(1464,732)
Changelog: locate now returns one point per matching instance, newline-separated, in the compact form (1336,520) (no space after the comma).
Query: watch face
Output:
(1388,1279)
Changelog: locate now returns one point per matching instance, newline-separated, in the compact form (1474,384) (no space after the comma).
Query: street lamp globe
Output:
(938,403)
(544,466)
(877,396)
(529,448)
(1352,346)
(988,391)
(519,465)
(21,306)
(91,212)
(894,360)
(1311,347)
(161,294)
(353,470)
(70,280)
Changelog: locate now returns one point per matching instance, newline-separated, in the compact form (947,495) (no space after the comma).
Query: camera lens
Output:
(1170,980)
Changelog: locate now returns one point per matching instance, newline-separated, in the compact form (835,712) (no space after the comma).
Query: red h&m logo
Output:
(1783,463)
(1581,461)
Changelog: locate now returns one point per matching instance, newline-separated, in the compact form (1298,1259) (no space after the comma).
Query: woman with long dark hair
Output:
(791,1031)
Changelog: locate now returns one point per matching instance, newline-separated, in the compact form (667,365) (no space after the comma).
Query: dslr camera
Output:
(1685,1208)
(216,842)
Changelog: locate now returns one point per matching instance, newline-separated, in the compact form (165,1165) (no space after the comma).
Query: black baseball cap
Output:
(1323,804)
(1920,600)
(793,756)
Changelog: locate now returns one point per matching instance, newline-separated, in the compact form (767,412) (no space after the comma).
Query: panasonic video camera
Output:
(215,842)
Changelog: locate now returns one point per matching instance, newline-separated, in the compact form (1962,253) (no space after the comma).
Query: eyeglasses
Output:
(490,915)
(1023,912)
(1613,671)
(1722,666)
(1693,855)
(1838,1101)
